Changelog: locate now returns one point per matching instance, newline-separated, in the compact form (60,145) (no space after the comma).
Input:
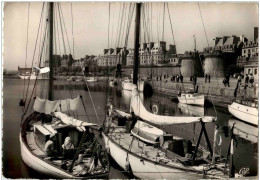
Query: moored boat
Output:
(52,142)
(92,79)
(171,156)
(244,110)
(192,99)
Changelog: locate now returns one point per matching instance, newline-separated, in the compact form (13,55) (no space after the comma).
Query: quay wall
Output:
(155,71)
(215,91)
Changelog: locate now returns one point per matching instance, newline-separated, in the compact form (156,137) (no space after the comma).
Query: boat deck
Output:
(155,154)
(32,144)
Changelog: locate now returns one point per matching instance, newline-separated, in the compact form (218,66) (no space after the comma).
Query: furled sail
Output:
(139,110)
(47,107)
(80,125)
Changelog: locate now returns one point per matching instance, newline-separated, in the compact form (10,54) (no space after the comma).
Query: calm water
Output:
(13,166)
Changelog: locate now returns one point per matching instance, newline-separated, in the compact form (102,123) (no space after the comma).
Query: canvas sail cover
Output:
(80,125)
(139,110)
(47,107)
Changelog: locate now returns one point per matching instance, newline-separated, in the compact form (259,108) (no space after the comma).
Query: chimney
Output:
(144,46)
(255,33)
(217,40)
(225,39)
(105,51)
(151,45)
(111,51)
(118,50)
(172,49)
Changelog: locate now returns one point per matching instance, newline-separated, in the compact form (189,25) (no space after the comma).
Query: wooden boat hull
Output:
(195,100)
(144,168)
(244,113)
(39,165)
(43,166)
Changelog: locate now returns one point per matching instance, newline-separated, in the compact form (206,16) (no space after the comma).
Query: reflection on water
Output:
(191,110)
(246,149)
(244,130)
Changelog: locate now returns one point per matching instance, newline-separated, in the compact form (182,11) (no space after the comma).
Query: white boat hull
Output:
(244,113)
(39,165)
(92,80)
(143,168)
(192,100)
(33,76)
(129,86)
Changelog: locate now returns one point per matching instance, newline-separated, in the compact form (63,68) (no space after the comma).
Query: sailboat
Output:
(142,149)
(53,142)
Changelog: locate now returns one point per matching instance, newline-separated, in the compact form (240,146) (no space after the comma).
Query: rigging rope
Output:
(34,52)
(25,63)
(171,25)
(203,24)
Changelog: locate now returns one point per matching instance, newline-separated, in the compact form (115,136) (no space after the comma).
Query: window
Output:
(249,71)
(249,51)
(252,50)
(245,51)
(255,71)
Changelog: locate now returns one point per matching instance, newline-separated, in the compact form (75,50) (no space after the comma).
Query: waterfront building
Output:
(222,55)
(249,57)
(66,60)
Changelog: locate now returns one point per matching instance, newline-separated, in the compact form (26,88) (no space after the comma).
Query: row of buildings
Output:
(218,60)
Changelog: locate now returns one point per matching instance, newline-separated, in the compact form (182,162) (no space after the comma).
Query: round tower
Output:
(191,64)
(214,64)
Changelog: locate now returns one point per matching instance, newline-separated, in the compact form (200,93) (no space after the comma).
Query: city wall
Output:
(215,91)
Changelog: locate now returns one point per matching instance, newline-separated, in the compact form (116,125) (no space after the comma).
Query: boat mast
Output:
(50,94)
(136,43)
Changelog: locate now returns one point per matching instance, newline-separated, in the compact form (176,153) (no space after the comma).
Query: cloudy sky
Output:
(90,26)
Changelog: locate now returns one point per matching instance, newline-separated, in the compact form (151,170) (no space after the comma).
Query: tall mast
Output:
(136,43)
(50,94)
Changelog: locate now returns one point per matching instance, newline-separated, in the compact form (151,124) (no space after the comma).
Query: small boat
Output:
(245,110)
(92,79)
(127,84)
(191,98)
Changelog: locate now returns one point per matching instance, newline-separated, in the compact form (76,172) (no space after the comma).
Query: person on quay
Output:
(251,79)
(206,78)
(227,80)
(246,79)
(239,80)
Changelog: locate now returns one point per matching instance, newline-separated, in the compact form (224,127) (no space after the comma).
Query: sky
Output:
(91,21)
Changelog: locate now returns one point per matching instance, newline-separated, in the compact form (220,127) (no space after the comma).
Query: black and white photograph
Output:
(130,90)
